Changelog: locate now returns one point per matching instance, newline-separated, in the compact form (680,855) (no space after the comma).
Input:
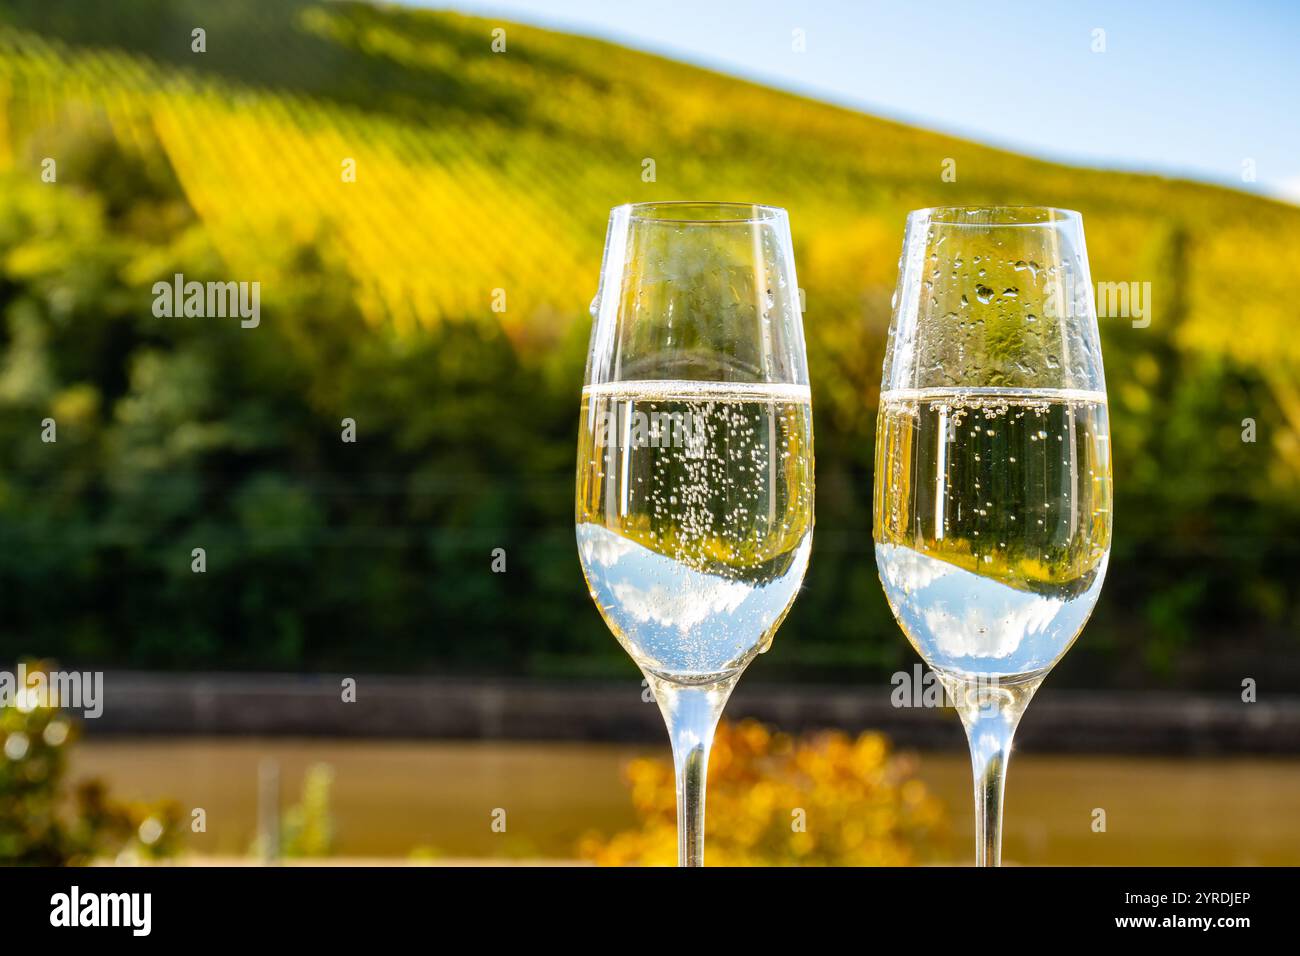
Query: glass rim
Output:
(733,213)
(999,216)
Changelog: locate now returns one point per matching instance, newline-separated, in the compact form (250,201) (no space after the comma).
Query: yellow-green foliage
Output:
(309,826)
(307,829)
(775,800)
(478,170)
(46,822)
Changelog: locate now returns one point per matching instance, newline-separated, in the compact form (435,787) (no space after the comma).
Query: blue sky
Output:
(1190,89)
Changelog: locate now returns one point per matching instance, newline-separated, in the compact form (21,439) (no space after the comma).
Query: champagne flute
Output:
(695,462)
(992,475)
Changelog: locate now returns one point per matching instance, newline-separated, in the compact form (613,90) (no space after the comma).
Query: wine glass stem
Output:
(990,748)
(691,712)
(692,763)
(990,710)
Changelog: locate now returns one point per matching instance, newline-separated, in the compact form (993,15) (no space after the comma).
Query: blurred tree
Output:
(822,800)
(37,827)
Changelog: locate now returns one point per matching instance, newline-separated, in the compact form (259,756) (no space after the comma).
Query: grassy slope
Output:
(480,170)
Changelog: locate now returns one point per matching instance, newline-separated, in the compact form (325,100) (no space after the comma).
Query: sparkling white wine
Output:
(993,522)
(694,517)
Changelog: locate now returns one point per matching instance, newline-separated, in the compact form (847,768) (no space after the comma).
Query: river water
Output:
(391,799)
